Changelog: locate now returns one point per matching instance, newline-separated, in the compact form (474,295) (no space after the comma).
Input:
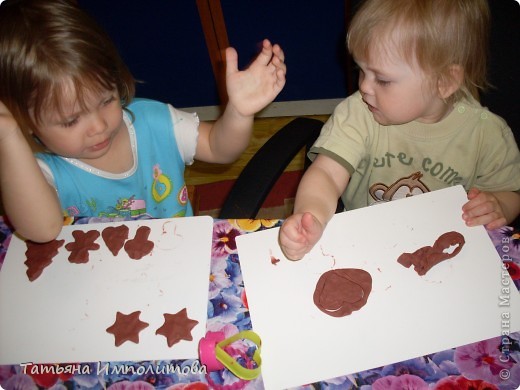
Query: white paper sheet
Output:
(457,302)
(62,316)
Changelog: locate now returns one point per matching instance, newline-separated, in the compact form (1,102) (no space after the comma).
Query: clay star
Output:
(83,243)
(177,327)
(127,327)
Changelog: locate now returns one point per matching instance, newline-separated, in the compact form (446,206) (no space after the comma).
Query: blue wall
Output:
(312,34)
(163,44)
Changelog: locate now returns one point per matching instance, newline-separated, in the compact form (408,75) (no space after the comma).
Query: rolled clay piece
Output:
(423,259)
(339,292)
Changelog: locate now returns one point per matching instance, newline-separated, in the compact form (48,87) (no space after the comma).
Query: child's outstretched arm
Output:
(492,209)
(316,201)
(30,202)
(249,91)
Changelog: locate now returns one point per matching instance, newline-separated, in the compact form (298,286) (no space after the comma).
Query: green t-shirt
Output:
(471,146)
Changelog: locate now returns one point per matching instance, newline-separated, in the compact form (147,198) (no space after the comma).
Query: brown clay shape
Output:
(126,327)
(39,256)
(423,259)
(177,327)
(339,292)
(115,237)
(139,246)
(84,242)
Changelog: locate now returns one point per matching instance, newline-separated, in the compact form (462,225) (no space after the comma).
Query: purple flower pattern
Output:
(480,365)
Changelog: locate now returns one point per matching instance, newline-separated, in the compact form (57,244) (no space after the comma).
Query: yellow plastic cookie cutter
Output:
(214,357)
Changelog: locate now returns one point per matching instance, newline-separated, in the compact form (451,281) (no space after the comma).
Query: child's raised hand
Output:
(483,208)
(252,89)
(298,235)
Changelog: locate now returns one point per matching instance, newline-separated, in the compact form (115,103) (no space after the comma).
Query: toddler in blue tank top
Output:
(104,153)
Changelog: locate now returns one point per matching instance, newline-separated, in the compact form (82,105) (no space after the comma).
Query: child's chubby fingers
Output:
(293,254)
(291,231)
(271,56)
(301,228)
(231,61)
(278,56)
(480,203)
(311,227)
(473,193)
(475,200)
(474,219)
(476,213)
(266,55)
(278,51)
(299,235)
(280,67)
(292,242)
(482,209)
(491,221)
(496,223)
(294,251)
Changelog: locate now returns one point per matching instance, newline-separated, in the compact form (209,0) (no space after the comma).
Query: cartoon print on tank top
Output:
(162,185)
(126,207)
(182,196)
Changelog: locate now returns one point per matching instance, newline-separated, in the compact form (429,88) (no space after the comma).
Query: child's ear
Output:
(451,81)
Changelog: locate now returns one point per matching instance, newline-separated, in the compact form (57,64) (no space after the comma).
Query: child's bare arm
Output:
(316,201)
(29,201)
(492,209)
(249,91)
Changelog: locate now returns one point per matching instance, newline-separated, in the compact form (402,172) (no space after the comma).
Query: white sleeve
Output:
(186,132)
(47,173)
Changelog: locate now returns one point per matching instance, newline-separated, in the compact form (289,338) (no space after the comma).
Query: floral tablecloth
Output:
(488,364)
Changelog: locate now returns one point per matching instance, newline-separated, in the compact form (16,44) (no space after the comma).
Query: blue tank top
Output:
(155,189)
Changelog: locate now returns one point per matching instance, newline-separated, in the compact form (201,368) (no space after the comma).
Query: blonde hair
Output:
(45,45)
(437,34)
